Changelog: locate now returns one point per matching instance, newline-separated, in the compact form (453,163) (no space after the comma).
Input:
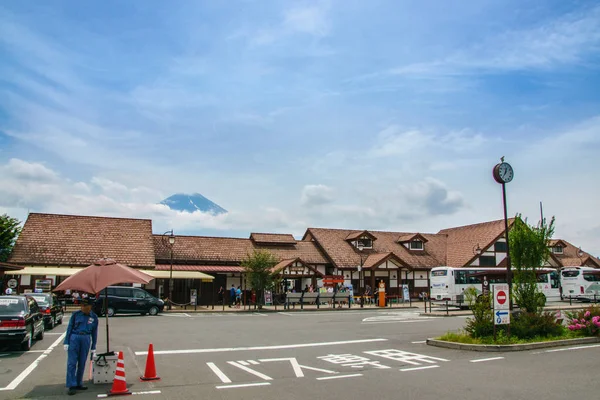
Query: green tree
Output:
(528,252)
(258,267)
(9,231)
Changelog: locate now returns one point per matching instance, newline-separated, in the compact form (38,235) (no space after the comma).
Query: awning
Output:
(177,274)
(52,271)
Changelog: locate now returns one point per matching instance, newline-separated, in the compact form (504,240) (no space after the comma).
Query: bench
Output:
(293,298)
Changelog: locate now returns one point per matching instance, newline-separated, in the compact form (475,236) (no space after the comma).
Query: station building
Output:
(52,247)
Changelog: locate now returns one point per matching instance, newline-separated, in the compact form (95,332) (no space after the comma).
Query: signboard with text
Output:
(501,305)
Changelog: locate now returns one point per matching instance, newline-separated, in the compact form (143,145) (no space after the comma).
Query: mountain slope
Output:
(192,202)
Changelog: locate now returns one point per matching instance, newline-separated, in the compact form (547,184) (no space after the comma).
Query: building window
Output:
(487,261)
(365,243)
(500,247)
(416,245)
(557,249)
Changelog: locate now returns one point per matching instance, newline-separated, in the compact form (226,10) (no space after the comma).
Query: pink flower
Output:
(575,320)
(572,327)
(587,314)
(580,326)
(596,319)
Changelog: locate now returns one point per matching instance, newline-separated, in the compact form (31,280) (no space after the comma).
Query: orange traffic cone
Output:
(119,383)
(150,374)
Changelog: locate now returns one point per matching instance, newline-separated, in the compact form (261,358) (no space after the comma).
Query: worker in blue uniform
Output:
(82,331)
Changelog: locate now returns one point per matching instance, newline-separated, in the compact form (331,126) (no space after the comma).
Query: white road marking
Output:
(187,315)
(13,385)
(419,342)
(53,333)
(418,368)
(22,352)
(101,396)
(253,362)
(573,348)
(276,347)
(284,313)
(293,361)
(224,378)
(486,359)
(250,371)
(318,369)
(259,314)
(243,385)
(325,378)
(244,362)
(397,322)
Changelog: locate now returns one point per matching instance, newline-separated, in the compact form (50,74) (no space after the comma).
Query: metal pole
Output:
(508,266)
(106,314)
(171,281)
(447,313)
(213,294)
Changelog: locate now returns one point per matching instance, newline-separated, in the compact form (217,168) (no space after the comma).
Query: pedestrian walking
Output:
(81,332)
(232,296)
(221,293)
(238,297)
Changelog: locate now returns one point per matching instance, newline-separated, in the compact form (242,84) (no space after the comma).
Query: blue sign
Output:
(502,317)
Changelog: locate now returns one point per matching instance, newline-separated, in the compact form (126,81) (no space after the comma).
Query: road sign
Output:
(501,300)
(502,317)
(12,283)
(486,286)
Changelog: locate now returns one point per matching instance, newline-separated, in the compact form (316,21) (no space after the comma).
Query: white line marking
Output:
(325,378)
(253,362)
(187,315)
(573,348)
(101,396)
(396,322)
(243,385)
(486,359)
(244,363)
(277,347)
(13,385)
(418,368)
(218,372)
(22,352)
(259,314)
(250,371)
(53,333)
(419,342)
(284,313)
(318,369)
(293,361)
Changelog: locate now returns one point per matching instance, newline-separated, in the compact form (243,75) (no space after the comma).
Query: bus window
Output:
(591,277)
(554,281)
(570,274)
(460,278)
(542,278)
(439,273)
(498,279)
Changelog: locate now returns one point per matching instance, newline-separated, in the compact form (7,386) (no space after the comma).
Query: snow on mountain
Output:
(192,202)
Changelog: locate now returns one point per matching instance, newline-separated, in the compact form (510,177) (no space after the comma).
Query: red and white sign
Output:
(501,297)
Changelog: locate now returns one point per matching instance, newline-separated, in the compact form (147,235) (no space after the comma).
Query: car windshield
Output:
(41,300)
(10,306)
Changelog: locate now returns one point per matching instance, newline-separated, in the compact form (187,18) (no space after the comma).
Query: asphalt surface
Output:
(299,355)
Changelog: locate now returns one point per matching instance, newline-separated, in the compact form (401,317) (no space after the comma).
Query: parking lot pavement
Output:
(347,355)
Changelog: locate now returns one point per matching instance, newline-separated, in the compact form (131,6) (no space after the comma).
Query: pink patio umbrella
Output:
(98,276)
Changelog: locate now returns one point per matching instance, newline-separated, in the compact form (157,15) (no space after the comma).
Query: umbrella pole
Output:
(106,315)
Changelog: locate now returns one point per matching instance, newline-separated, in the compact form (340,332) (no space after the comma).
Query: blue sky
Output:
(379,114)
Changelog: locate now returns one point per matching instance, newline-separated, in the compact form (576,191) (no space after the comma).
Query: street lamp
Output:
(360,278)
(169,240)
(477,250)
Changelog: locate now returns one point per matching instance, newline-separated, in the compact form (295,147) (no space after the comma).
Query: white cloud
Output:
(316,195)
(29,171)
(311,20)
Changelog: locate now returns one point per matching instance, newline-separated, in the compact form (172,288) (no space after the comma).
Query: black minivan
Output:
(130,300)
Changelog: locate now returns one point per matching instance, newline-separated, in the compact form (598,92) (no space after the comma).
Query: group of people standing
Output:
(235,296)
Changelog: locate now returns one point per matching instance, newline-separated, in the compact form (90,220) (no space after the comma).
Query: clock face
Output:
(505,172)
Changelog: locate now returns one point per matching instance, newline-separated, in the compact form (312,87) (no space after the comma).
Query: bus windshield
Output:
(570,274)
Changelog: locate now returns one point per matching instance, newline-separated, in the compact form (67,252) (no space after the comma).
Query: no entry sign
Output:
(501,301)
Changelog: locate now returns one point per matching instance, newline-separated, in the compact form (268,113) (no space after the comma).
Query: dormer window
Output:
(557,249)
(365,243)
(416,245)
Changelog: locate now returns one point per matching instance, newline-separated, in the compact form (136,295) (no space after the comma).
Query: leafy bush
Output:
(586,321)
(482,323)
(529,325)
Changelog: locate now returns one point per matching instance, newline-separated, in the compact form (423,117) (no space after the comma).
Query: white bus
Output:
(449,283)
(581,283)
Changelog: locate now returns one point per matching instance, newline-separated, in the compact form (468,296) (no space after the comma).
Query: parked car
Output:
(122,299)
(51,308)
(21,321)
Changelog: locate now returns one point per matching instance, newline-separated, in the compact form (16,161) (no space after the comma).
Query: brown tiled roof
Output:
(344,255)
(201,268)
(354,235)
(52,239)
(462,240)
(570,258)
(273,238)
(284,263)
(374,260)
(216,250)
(7,266)
(555,242)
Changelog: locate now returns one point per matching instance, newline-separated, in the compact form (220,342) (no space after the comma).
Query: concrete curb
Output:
(510,347)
